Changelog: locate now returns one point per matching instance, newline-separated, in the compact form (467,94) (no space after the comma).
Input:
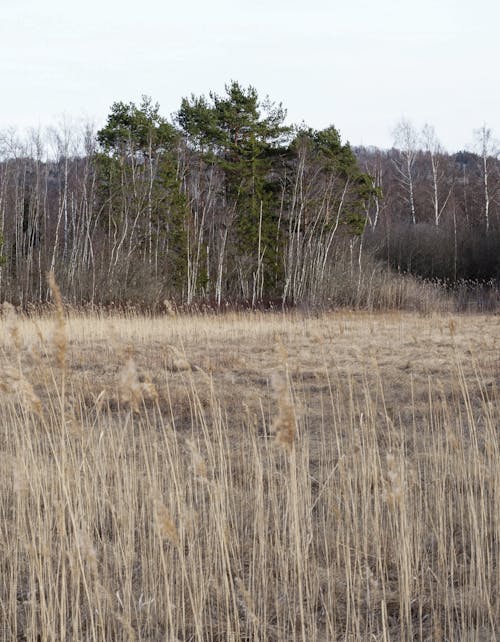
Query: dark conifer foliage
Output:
(225,203)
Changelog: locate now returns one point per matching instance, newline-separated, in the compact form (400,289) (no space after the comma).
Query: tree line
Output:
(226,203)
(439,216)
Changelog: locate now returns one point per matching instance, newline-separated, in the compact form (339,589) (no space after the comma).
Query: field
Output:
(249,477)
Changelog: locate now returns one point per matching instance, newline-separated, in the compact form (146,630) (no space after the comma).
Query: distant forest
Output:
(223,204)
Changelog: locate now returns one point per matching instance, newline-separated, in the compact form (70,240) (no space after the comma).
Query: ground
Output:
(250,477)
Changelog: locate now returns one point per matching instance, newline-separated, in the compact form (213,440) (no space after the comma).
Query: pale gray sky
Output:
(360,65)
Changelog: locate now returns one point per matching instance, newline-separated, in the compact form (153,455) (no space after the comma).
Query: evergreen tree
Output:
(245,138)
(333,167)
(139,181)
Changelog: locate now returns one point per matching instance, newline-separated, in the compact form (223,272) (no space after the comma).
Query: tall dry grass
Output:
(249,477)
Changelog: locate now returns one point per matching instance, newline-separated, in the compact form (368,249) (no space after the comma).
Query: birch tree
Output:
(487,147)
(406,141)
(329,199)
(435,154)
(140,182)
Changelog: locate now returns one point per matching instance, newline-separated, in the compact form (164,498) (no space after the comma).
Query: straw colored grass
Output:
(249,477)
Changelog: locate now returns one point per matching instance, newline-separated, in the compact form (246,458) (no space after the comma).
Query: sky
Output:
(359,65)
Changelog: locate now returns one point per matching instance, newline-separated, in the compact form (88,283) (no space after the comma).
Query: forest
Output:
(249,380)
(224,204)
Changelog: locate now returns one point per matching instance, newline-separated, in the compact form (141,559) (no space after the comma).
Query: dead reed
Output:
(147,501)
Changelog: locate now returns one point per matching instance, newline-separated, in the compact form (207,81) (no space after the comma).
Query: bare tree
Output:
(487,147)
(406,140)
(434,151)
(374,168)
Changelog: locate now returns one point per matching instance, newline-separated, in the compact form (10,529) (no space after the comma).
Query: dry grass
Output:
(249,477)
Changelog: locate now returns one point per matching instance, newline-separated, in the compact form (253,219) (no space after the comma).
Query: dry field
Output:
(257,477)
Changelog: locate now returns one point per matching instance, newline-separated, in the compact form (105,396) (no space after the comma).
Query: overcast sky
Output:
(360,65)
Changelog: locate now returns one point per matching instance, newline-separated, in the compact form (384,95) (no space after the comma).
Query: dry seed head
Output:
(31,400)
(8,309)
(12,325)
(164,522)
(169,308)
(132,390)
(451,438)
(13,382)
(99,401)
(177,361)
(394,491)
(148,389)
(87,549)
(129,385)
(198,463)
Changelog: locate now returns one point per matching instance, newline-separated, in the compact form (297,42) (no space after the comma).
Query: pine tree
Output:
(245,138)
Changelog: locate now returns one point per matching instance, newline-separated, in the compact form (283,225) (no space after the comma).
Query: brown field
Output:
(257,477)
